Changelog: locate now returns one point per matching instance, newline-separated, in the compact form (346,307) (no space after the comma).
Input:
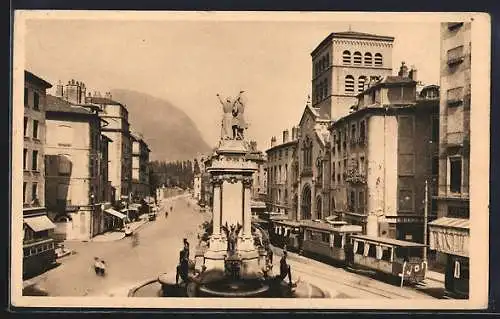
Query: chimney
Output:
(71,92)
(403,70)
(59,89)
(413,74)
(285,136)
(273,141)
(83,93)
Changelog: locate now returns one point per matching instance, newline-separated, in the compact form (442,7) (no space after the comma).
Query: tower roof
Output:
(351,35)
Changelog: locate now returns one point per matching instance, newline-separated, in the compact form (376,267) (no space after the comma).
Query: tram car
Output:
(286,232)
(326,240)
(390,257)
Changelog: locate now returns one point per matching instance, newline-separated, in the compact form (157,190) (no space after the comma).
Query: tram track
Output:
(352,276)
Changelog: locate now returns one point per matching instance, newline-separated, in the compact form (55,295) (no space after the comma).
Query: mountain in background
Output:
(169,132)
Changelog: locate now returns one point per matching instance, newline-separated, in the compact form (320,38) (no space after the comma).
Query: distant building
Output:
(76,156)
(196,180)
(140,160)
(120,150)
(381,155)
(38,246)
(282,175)
(449,234)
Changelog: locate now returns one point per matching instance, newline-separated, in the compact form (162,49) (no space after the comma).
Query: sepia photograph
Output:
(271,160)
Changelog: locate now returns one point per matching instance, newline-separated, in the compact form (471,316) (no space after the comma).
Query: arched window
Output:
(378,59)
(361,83)
(349,84)
(325,88)
(346,57)
(319,205)
(368,58)
(357,58)
(306,203)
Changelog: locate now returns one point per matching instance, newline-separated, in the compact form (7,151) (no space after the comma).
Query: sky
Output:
(187,62)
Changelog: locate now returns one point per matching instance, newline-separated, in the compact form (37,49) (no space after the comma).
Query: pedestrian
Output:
(285,270)
(103,268)
(183,267)
(186,247)
(97,266)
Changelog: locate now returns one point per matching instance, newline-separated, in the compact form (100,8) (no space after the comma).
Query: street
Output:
(157,252)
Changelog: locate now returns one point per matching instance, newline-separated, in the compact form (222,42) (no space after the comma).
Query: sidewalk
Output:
(117,235)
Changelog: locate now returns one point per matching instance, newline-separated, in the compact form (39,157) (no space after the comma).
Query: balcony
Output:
(454,25)
(455,56)
(354,176)
(455,97)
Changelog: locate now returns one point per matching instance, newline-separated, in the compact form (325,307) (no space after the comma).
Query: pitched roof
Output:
(389,80)
(351,35)
(28,76)
(56,104)
(103,100)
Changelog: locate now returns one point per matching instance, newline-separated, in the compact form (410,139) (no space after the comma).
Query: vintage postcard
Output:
(223,160)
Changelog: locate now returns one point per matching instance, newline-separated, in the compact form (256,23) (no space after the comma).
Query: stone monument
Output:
(231,175)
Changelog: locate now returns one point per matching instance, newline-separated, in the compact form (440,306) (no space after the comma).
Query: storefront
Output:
(114,219)
(450,236)
(38,246)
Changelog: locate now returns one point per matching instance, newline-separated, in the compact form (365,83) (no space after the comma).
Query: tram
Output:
(396,258)
(286,232)
(327,240)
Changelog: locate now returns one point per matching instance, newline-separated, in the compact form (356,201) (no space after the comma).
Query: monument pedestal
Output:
(232,178)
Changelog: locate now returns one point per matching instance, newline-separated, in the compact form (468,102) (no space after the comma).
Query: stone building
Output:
(76,158)
(342,64)
(38,246)
(312,154)
(282,178)
(452,225)
(120,150)
(140,173)
(381,155)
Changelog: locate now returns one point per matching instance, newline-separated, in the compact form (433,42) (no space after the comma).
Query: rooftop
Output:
(351,35)
(30,77)
(57,104)
(103,100)
(389,241)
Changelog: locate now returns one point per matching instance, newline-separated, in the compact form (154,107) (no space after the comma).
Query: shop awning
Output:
(39,223)
(450,236)
(115,213)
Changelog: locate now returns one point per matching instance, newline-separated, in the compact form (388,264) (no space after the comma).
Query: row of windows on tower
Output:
(322,64)
(350,83)
(358,59)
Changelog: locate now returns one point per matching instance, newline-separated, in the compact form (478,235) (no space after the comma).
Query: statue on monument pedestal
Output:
(233,121)
(232,236)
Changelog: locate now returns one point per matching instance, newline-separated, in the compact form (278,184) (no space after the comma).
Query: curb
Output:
(134,289)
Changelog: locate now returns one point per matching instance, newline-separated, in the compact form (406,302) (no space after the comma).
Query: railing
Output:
(455,55)
(354,176)
(454,96)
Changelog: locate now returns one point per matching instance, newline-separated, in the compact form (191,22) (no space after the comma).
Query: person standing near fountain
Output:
(183,267)
(285,270)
